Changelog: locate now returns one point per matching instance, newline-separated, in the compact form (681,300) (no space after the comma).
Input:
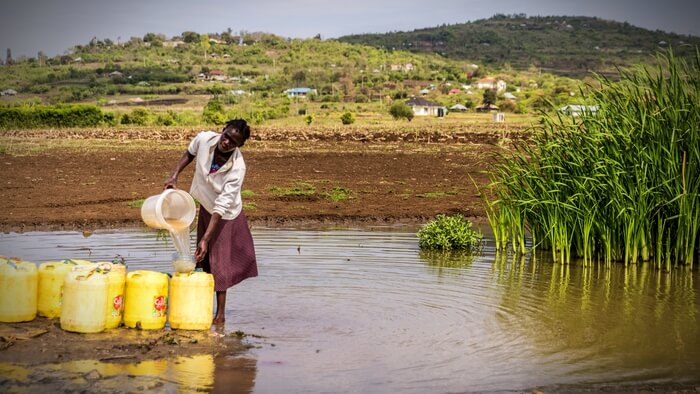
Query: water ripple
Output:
(369,310)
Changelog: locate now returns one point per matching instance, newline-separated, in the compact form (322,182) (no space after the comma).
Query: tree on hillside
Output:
(204,42)
(299,77)
(150,37)
(489,97)
(190,37)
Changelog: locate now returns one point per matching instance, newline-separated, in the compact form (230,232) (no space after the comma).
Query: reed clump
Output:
(621,183)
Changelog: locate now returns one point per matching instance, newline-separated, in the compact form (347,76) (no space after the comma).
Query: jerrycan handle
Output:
(104,268)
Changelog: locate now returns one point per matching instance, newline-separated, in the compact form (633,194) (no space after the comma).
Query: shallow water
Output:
(365,311)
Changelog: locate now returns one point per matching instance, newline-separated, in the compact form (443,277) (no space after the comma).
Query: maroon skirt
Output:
(231,256)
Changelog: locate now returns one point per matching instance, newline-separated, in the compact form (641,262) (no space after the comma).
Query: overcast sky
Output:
(54,26)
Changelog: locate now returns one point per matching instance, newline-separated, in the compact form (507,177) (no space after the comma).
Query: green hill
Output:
(193,78)
(568,45)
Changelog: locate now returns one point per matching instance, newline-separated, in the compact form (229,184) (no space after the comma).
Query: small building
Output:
(578,110)
(423,107)
(8,92)
(486,108)
(402,67)
(115,74)
(509,96)
(458,108)
(216,75)
(491,83)
(173,43)
(300,92)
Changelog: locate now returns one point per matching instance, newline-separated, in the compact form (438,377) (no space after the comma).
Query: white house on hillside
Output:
(300,92)
(578,110)
(423,107)
(491,83)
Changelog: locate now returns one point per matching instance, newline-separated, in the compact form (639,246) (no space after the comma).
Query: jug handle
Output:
(104,268)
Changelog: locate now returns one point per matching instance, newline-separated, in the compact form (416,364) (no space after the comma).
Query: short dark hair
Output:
(240,125)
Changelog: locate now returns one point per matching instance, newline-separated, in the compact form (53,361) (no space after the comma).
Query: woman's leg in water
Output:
(220,315)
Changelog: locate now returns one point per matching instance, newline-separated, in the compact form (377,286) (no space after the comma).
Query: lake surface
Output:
(364,310)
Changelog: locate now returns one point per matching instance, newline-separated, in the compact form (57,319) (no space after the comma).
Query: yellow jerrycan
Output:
(85,292)
(51,276)
(146,300)
(116,282)
(191,300)
(18,290)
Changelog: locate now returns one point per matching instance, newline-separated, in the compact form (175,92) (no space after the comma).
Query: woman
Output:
(224,243)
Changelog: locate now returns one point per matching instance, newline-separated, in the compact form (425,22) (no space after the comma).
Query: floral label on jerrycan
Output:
(117,304)
(159,305)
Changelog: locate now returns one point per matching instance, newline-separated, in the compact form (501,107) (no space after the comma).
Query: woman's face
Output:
(230,139)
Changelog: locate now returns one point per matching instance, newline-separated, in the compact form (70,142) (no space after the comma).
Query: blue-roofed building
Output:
(300,92)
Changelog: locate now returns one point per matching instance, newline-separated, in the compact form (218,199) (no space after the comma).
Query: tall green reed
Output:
(620,184)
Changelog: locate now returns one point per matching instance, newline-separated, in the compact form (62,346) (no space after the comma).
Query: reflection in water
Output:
(367,311)
(192,374)
(234,374)
(608,324)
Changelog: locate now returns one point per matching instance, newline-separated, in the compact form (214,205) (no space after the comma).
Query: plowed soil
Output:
(80,181)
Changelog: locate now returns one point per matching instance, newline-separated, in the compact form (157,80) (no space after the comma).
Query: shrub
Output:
(400,110)
(213,112)
(347,118)
(449,232)
(308,119)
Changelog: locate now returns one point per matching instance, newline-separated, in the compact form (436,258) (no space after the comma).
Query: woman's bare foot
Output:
(218,320)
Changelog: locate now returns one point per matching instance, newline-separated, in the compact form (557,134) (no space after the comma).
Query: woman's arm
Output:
(185,159)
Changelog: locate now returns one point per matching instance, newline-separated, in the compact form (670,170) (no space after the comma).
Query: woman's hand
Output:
(202,249)
(171,182)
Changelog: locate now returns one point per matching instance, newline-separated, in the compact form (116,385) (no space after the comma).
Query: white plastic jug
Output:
(171,210)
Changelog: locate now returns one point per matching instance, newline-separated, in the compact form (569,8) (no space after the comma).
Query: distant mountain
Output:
(566,45)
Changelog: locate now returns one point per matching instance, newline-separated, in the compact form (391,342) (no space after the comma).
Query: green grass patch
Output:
(435,194)
(298,190)
(338,194)
(136,203)
(247,193)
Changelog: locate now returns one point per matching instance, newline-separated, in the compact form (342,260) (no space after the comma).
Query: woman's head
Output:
(240,126)
(234,135)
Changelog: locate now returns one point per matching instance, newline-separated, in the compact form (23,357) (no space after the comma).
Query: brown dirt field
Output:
(91,185)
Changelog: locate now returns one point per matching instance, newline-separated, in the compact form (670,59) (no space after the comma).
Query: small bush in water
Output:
(449,232)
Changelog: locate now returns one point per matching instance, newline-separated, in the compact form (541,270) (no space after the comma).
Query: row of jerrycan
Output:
(90,297)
